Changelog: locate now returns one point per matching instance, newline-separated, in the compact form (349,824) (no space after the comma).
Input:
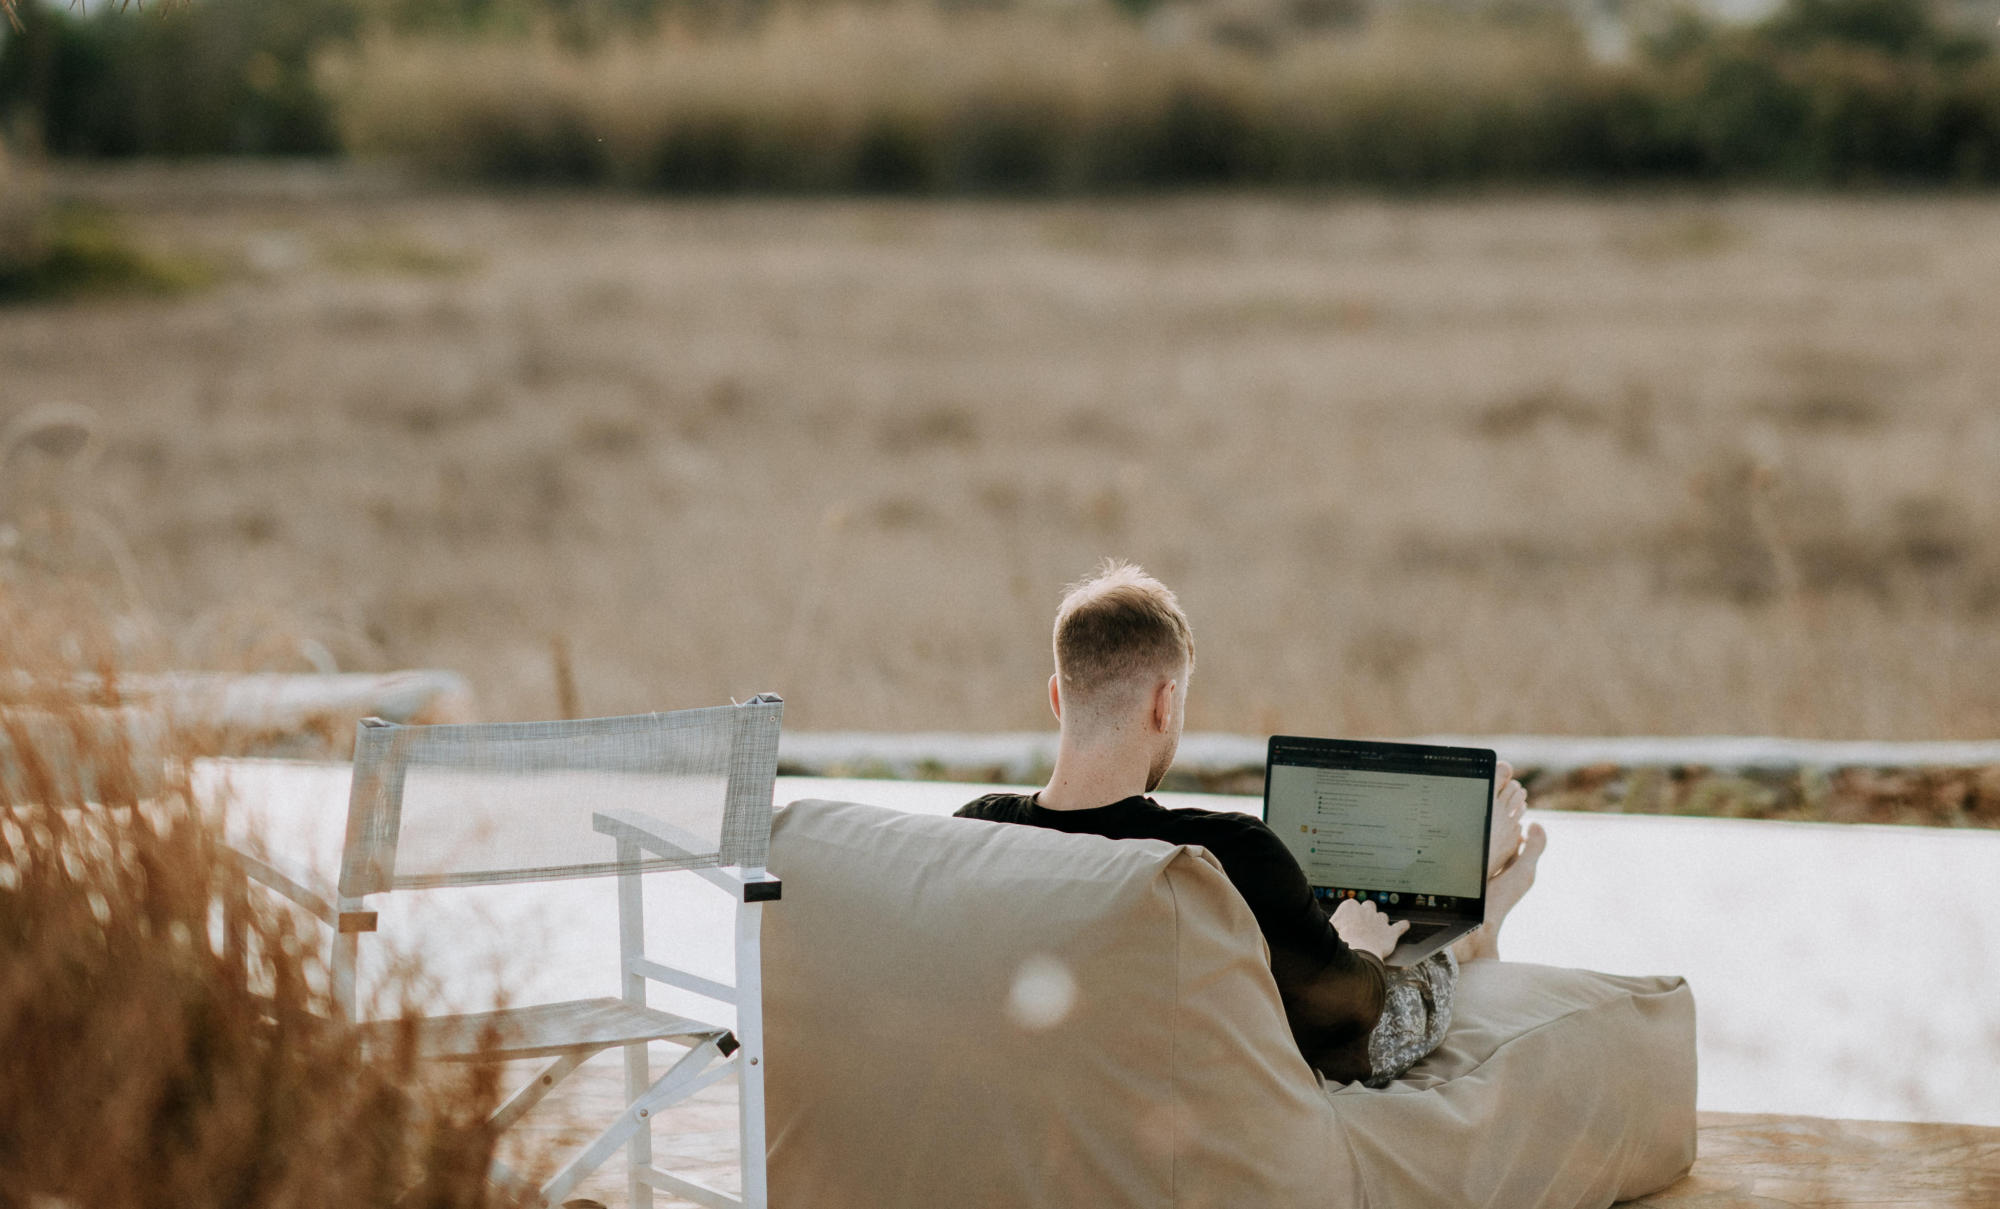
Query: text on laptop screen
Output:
(1382,830)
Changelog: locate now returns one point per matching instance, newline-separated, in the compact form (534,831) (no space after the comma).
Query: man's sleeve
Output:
(1333,993)
(1282,899)
(971,810)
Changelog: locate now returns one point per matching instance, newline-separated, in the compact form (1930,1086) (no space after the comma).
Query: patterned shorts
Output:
(1416,1011)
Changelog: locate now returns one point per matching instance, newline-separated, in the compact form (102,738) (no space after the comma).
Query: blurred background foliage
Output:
(55,248)
(1039,97)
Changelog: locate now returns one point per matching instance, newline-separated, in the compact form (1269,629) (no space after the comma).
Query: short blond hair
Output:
(1116,628)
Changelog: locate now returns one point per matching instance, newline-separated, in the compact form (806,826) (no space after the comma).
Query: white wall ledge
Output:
(1024,756)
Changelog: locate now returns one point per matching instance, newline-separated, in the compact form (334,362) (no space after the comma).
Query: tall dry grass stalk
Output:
(167,1036)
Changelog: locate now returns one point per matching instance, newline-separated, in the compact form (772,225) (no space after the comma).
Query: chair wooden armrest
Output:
(654,835)
(662,838)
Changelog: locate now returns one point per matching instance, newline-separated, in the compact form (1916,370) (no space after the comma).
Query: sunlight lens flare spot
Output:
(1044,994)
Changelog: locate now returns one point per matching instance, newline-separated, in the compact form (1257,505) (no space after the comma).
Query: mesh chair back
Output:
(498,802)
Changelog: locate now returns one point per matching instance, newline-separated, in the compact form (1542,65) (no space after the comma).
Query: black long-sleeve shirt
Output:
(1332,993)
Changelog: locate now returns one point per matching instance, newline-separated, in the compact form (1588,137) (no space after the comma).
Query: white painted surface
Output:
(1838,971)
(1843,971)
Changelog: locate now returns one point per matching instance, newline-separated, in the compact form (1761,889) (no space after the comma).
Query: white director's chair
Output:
(436,807)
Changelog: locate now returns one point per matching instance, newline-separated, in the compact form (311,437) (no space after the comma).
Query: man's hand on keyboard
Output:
(1364,927)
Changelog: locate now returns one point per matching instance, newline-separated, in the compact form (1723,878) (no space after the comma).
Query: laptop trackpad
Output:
(1422,940)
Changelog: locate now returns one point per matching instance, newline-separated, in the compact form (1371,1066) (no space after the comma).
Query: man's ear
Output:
(1163,705)
(1055,695)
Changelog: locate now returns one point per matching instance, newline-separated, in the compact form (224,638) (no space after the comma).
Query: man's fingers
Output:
(1503,772)
(1400,926)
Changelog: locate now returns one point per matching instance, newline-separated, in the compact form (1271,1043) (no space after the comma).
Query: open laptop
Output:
(1405,825)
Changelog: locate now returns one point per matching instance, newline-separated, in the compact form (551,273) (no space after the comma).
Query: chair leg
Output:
(531,1093)
(750,1058)
(638,1151)
(696,1069)
(346,956)
(638,1068)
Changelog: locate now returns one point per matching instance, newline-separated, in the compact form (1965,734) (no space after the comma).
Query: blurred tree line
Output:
(1820,92)
(232,77)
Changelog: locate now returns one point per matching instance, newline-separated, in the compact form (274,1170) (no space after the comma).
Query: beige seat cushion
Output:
(972,1014)
(1554,1087)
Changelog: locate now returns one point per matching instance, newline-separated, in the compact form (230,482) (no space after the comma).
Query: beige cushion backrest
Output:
(961,1013)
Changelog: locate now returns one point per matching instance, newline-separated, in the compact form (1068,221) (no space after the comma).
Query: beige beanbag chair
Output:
(966,1014)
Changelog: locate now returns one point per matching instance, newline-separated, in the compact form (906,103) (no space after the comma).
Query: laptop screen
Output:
(1403,824)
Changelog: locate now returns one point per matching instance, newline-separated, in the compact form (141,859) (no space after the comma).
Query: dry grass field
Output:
(1501,464)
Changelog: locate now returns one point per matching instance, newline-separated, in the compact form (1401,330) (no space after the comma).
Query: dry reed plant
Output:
(167,1037)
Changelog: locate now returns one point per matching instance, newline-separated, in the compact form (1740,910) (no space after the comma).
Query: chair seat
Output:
(580,1025)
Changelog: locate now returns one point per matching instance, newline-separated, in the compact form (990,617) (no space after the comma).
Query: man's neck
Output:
(1088,777)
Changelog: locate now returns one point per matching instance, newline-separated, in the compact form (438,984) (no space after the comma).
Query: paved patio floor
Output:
(1747,1160)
